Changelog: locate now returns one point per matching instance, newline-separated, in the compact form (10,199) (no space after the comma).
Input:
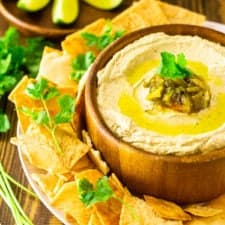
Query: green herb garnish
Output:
(82,62)
(4,122)
(90,195)
(6,193)
(80,65)
(172,66)
(16,60)
(101,193)
(43,92)
(103,40)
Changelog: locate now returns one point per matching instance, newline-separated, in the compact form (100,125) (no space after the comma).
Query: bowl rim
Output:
(104,57)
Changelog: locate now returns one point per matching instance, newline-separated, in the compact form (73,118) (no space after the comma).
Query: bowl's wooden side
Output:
(185,179)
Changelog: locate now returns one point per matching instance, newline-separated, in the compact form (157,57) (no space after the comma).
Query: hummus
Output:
(122,102)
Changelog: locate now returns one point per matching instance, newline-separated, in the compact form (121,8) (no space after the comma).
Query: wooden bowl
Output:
(183,179)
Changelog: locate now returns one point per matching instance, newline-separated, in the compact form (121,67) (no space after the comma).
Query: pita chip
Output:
(166,209)
(176,14)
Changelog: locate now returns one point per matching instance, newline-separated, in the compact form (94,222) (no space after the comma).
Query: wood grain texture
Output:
(213,9)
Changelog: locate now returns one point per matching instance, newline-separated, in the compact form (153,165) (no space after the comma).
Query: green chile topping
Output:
(176,87)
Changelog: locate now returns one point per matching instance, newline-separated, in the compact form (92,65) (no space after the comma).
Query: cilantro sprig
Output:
(173,67)
(102,192)
(80,65)
(82,62)
(43,91)
(16,60)
(90,195)
(103,40)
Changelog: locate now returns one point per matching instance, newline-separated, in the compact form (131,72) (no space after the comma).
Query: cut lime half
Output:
(104,4)
(32,5)
(65,11)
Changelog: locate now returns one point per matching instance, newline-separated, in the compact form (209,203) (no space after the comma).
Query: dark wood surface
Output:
(213,9)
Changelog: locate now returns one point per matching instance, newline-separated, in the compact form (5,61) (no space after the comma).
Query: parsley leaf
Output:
(4,123)
(173,67)
(90,195)
(103,40)
(80,65)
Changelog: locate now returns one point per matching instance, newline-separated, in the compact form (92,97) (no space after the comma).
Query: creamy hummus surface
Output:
(122,101)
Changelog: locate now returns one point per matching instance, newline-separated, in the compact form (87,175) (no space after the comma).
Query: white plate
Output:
(28,169)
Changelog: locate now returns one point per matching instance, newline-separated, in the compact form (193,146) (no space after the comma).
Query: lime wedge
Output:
(104,4)
(65,11)
(32,5)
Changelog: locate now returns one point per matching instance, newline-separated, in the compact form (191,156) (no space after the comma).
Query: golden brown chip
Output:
(38,146)
(95,155)
(94,220)
(49,183)
(108,212)
(202,210)
(19,98)
(83,164)
(141,14)
(136,211)
(218,202)
(67,199)
(74,44)
(214,220)
(117,187)
(70,219)
(55,66)
(177,14)
(92,175)
(166,209)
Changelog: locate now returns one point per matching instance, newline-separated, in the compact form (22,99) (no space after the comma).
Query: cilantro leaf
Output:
(173,67)
(80,65)
(37,90)
(40,117)
(4,123)
(6,84)
(103,40)
(42,90)
(17,59)
(67,107)
(90,195)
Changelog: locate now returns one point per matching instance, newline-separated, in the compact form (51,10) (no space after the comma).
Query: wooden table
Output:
(213,9)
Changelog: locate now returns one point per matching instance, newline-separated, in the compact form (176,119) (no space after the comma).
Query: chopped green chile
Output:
(188,95)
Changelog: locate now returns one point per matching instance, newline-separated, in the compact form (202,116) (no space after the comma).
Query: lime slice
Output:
(32,5)
(65,11)
(104,4)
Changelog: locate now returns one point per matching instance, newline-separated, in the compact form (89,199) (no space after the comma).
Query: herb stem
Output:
(58,147)
(51,127)
(20,186)
(47,111)
(8,196)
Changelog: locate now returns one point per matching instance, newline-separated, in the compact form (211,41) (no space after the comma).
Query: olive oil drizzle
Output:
(206,121)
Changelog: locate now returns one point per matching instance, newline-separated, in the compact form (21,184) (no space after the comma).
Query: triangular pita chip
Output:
(176,14)
(166,209)
(67,199)
(136,211)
